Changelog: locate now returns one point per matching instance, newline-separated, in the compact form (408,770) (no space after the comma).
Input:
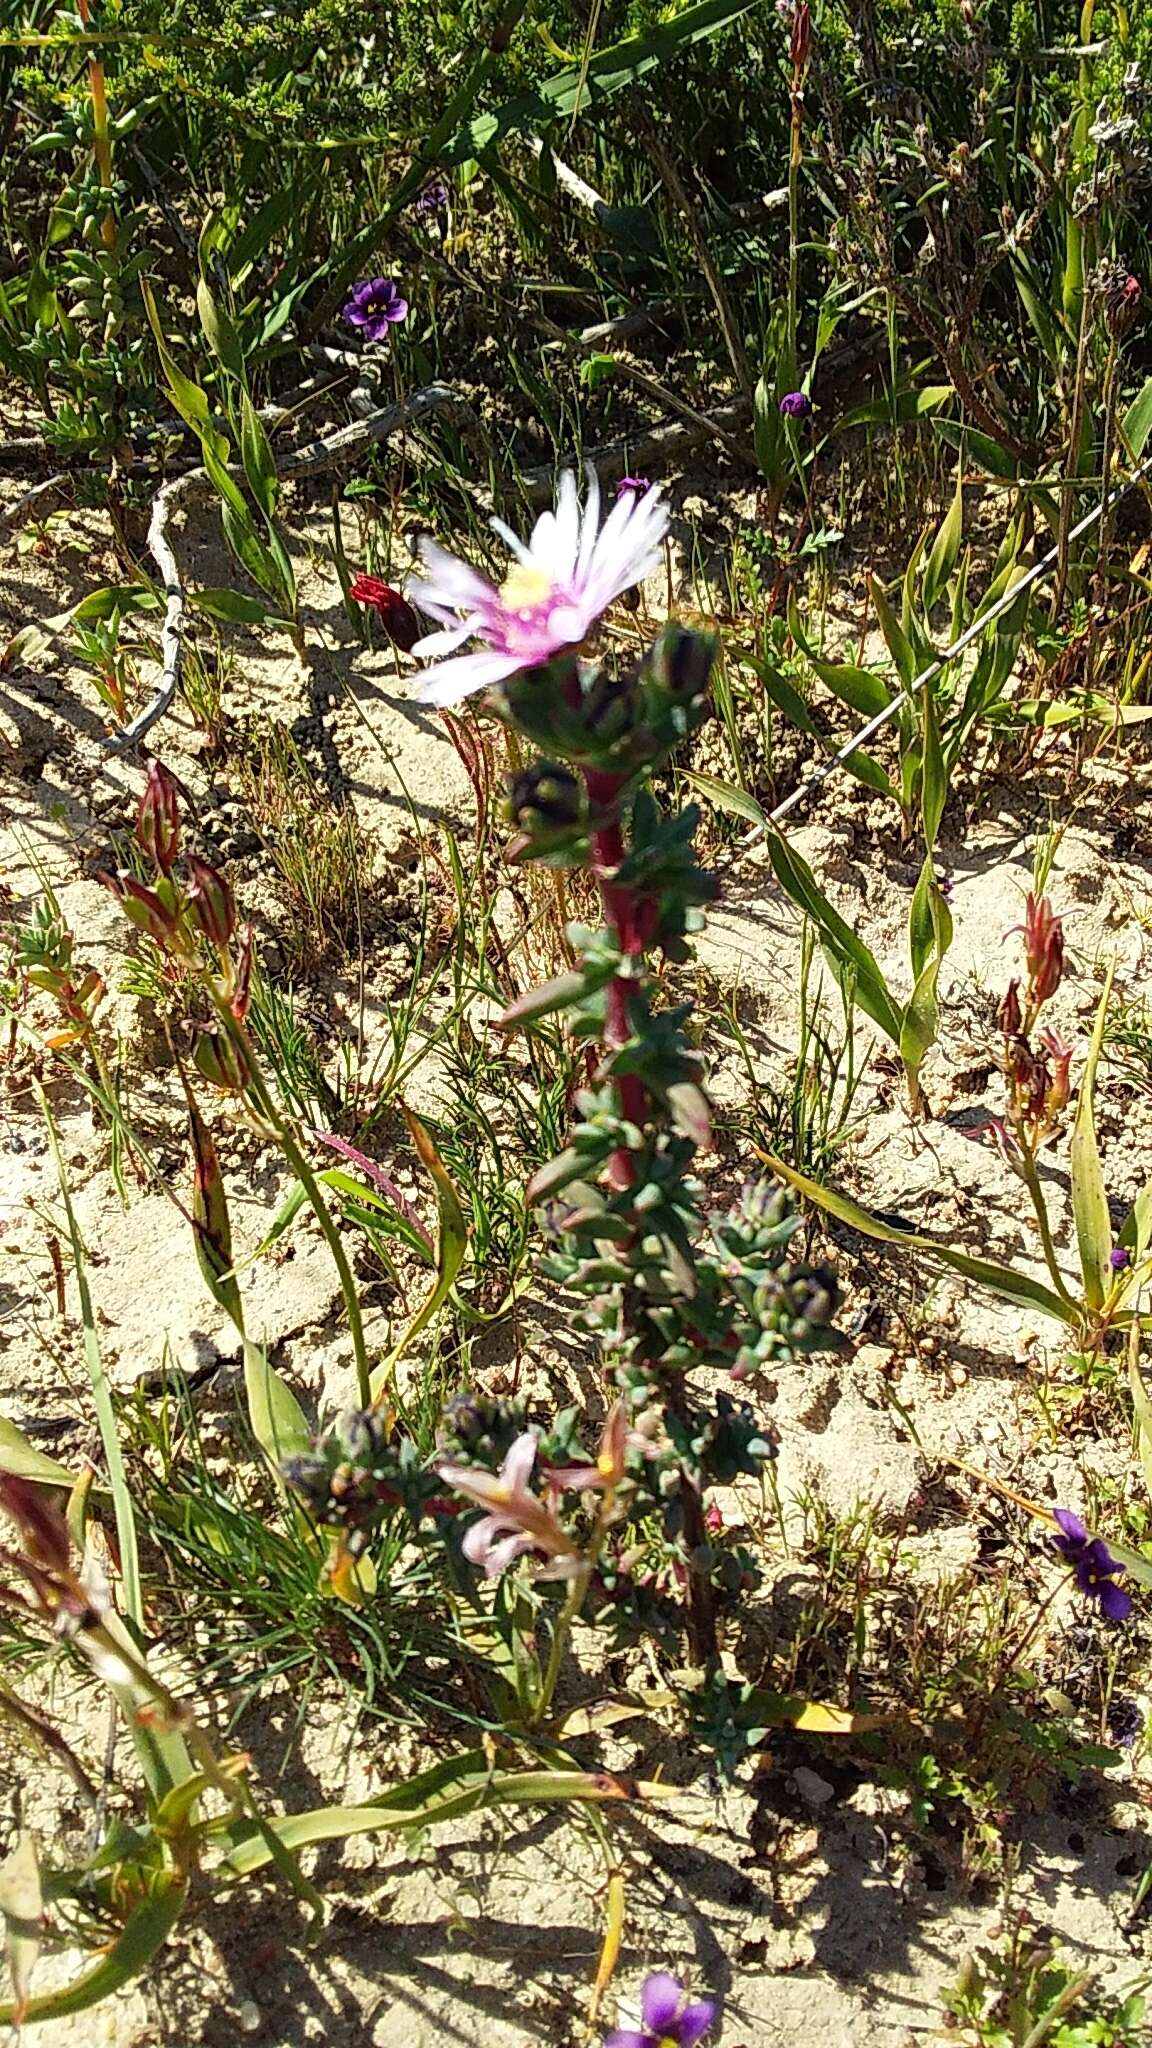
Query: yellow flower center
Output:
(525,588)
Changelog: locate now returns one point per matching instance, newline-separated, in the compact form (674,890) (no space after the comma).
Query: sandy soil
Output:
(797,1894)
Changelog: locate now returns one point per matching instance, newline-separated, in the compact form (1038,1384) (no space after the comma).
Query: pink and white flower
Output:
(559,585)
(519,1522)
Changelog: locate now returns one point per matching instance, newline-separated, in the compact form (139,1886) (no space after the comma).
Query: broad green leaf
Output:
(410,1808)
(945,547)
(20,1457)
(869,772)
(22,1905)
(899,645)
(780,692)
(106,604)
(728,797)
(221,335)
(558,994)
(188,398)
(857,687)
(1135,1236)
(921,923)
(933,774)
(898,409)
(921,1023)
(451,1244)
(980,447)
(1001,1280)
(847,953)
(258,459)
(1137,422)
(277,1420)
(580,88)
(1089,1193)
(773,456)
(142,1936)
(234,606)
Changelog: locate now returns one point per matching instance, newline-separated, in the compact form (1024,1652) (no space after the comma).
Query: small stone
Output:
(813,1789)
(249,2018)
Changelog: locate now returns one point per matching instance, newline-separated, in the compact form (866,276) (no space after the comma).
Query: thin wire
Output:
(1016,590)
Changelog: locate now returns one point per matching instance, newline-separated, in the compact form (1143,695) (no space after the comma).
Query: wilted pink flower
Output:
(1060,1053)
(1043,948)
(569,573)
(519,1522)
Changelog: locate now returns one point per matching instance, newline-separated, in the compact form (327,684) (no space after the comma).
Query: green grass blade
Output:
(101,1397)
(1089,1193)
(1001,1280)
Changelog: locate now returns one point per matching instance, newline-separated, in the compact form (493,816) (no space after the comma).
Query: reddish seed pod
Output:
(242,992)
(220,1061)
(144,907)
(210,901)
(158,818)
(1008,1016)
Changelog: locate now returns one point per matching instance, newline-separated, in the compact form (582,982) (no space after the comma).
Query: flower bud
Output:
(242,988)
(220,1061)
(144,907)
(682,662)
(1008,1015)
(158,818)
(1043,949)
(210,901)
(610,708)
(391,607)
(801,37)
(546,797)
(795,405)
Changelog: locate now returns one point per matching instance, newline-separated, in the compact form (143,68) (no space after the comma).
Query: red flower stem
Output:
(628,915)
(625,916)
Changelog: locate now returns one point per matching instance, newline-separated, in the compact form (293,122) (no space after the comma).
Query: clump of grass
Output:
(323,858)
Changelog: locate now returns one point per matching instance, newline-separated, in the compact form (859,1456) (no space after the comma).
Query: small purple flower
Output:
(1119,1259)
(375,305)
(636,485)
(1094,1565)
(795,405)
(1125,1720)
(668,2020)
(433,199)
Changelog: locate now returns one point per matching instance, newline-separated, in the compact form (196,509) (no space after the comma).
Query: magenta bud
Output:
(210,901)
(158,818)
